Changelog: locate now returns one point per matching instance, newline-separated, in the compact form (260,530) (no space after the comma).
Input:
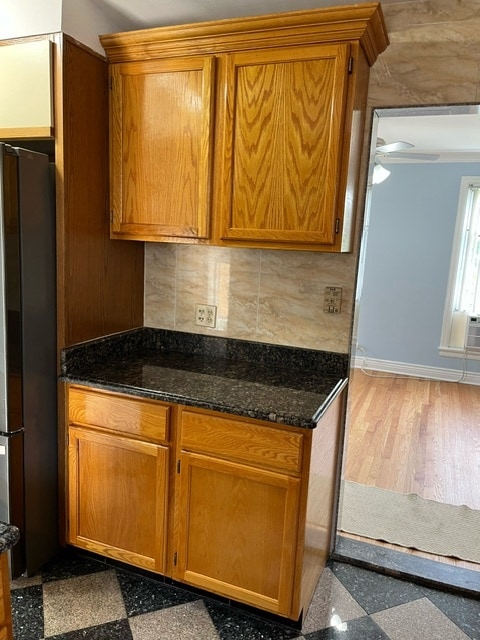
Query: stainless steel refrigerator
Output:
(28,370)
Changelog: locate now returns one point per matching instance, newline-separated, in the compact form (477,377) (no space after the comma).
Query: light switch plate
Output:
(332,299)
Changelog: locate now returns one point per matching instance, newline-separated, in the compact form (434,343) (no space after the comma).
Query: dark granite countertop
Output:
(267,382)
(9,536)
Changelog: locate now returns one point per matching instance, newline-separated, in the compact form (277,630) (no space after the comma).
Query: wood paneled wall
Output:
(100,281)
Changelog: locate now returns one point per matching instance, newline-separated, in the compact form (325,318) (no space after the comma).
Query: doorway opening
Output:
(412,421)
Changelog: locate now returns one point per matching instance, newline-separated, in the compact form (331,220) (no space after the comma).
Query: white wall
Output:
(84,20)
(407,261)
(20,18)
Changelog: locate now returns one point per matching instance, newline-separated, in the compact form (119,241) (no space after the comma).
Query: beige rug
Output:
(411,521)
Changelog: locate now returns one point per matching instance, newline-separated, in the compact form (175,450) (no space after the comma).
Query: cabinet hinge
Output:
(175,559)
(111,217)
(110,84)
(178,466)
(350,65)
(337,225)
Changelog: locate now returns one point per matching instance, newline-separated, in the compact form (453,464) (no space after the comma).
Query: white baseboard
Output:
(415,370)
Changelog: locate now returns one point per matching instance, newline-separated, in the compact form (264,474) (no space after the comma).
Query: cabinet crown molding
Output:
(363,23)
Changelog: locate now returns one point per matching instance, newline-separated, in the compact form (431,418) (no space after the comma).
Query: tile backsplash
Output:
(263,295)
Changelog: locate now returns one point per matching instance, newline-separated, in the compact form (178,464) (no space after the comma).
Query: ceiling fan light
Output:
(379,174)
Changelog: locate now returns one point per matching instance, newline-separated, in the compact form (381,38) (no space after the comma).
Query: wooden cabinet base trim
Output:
(26,133)
(225,589)
(151,237)
(117,554)
(284,246)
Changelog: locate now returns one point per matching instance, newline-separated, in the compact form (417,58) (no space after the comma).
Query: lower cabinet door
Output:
(236,532)
(5,601)
(5,634)
(118,497)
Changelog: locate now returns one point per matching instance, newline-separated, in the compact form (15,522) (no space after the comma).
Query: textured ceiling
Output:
(451,132)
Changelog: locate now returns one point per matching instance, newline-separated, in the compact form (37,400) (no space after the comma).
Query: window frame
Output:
(455,322)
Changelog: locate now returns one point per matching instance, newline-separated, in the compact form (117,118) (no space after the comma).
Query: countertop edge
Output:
(290,420)
(339,387)
(9,536)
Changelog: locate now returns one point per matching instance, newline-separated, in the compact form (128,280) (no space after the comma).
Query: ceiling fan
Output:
(397,149)
(400,149)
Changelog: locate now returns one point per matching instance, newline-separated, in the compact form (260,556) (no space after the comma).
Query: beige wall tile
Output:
(160,286)
(433,57)
(292,289)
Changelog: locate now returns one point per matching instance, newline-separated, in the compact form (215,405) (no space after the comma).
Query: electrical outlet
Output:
(205,315)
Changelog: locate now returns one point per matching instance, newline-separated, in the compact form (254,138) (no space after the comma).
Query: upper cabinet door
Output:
(161,155)
(283,139)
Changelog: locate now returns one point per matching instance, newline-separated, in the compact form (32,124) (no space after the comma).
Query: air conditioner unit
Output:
(472,338)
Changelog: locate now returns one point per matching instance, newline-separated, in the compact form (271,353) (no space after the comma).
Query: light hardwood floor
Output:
(415,436)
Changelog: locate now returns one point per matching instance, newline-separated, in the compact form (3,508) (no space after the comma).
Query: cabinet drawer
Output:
(242,441)
(137,417)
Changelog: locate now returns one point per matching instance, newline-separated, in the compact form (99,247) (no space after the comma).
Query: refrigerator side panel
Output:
(39,365)
(11,418)
(3,308)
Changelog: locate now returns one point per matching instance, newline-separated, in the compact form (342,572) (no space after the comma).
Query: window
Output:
(463,292)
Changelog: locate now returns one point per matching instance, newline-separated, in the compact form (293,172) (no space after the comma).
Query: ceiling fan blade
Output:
(399,145)
(414,155)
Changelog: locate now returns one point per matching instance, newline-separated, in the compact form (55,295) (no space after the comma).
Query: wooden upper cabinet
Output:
(244,132)
(282,144)
(161,148)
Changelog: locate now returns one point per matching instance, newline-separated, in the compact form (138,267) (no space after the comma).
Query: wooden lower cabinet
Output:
(6,632)
(118,489)
(248,512)
(237,531)
(118,485)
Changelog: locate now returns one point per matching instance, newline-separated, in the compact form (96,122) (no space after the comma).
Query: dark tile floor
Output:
(79,597)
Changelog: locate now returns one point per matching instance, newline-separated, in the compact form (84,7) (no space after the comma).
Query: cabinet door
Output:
(5,601)
(26,87)
(161,139)
(283,134)
(237,530)
(118,497)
